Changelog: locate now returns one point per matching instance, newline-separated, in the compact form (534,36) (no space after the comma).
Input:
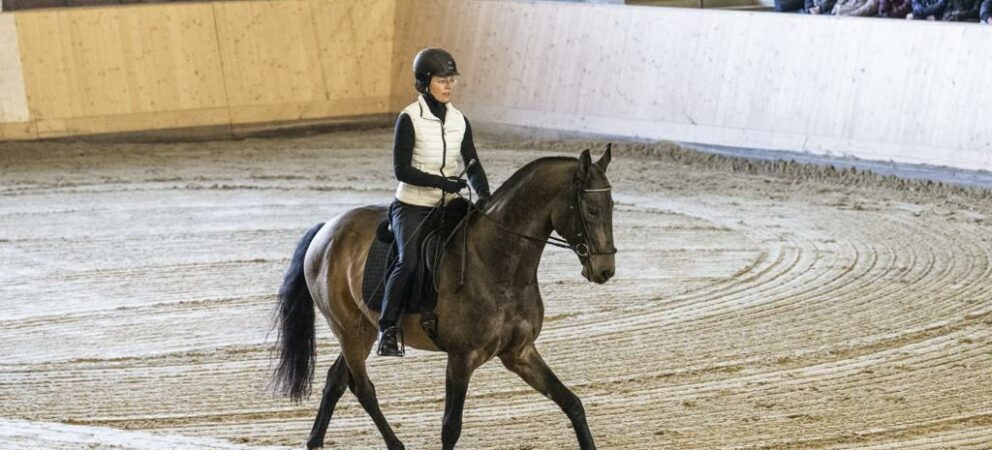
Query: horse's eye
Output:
(593,211)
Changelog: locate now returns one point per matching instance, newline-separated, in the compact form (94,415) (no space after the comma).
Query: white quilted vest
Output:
(436,150)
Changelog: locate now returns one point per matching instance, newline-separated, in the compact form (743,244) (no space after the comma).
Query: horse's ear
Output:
(584,162)
(604,160)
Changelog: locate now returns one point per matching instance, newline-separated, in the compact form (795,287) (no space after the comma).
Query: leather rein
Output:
(582,249)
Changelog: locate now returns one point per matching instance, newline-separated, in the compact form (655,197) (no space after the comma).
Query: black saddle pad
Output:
(382,255)
(421,295)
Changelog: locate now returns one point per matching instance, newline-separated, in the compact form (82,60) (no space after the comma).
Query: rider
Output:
(426,163)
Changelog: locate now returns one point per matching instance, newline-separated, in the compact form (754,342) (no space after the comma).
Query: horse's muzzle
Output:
(599,268)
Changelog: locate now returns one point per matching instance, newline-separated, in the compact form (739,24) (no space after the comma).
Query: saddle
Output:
(421,295)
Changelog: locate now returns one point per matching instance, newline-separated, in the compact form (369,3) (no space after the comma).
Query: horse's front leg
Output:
(460,369)
(529,365)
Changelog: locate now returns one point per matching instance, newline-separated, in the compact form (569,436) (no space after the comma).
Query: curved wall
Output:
(876,89)
(914,92)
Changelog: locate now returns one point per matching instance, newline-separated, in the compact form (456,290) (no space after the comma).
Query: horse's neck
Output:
(526,210)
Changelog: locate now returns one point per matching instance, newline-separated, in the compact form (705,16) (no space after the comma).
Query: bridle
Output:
(584,249)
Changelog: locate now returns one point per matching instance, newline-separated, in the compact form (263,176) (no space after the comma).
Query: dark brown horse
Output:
(498,310)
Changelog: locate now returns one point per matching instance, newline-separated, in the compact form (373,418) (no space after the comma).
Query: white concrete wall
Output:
(13,101)
(914,92)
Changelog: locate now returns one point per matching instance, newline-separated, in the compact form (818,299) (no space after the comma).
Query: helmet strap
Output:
(423,86)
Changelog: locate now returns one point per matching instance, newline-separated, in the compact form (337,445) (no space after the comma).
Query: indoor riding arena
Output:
(801,209)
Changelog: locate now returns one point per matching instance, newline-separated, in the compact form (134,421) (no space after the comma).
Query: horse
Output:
(495,311)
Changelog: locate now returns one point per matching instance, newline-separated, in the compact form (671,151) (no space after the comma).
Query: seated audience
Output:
(961,10)
(789,5)
(927,9)
(860,8)
(895,9)
(819,6)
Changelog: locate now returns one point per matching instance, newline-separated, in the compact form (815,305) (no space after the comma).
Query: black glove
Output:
(452,184)
(482,202)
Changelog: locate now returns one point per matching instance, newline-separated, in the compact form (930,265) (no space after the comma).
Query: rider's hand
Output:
(481,203)
(453,184)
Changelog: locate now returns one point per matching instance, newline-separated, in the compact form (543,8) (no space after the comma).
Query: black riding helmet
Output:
(432,62)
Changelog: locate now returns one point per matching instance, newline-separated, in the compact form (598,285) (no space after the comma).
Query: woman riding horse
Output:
(425,159)
(498,312)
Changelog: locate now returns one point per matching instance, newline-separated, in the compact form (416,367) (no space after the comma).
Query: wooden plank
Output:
(106,70)
(269,53)
(98,62)
(414,30)
(344,107)
(173,58)
(156,120)
(354,40)
(49,128)
(49,76)
(18,130)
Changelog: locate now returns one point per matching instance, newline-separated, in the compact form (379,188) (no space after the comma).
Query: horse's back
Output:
(336,257)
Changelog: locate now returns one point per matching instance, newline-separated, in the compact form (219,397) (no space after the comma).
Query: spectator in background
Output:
(895,9)
(789,5)
(927,9)
(985,16)
(859,8)
(961,10)
(820,6)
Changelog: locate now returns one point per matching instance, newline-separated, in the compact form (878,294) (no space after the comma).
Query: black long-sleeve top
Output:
(896,9)
(926,8)
(825,5)
(404,139)
(961,10)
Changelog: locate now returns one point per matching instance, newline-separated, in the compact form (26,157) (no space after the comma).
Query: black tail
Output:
(295,321)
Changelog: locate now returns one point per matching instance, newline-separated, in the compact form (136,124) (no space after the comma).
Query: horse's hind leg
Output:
(529,365)
(337,382)
(355,347)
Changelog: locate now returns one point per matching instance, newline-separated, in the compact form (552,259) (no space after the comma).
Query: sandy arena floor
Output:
(755,306)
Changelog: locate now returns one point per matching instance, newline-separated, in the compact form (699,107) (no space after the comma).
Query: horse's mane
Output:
(524,172)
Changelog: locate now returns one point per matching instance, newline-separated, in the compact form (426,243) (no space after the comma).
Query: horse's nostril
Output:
(607,273)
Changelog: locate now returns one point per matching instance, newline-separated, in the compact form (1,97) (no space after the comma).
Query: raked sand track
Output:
(755,305)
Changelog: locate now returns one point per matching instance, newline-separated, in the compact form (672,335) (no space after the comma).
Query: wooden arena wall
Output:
(907,91)
(116,69)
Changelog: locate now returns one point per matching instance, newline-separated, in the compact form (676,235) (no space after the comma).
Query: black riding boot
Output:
(405,220)
(391,342)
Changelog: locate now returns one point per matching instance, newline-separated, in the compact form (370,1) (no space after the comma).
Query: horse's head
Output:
(587,222)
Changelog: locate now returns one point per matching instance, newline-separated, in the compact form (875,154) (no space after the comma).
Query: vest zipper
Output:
(444,149)
(444,157)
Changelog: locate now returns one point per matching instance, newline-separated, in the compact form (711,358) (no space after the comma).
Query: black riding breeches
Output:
(405,219)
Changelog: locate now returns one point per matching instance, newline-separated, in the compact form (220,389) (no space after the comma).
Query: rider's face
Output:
(442,87)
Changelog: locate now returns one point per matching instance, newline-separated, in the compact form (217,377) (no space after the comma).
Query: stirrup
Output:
(391,342)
